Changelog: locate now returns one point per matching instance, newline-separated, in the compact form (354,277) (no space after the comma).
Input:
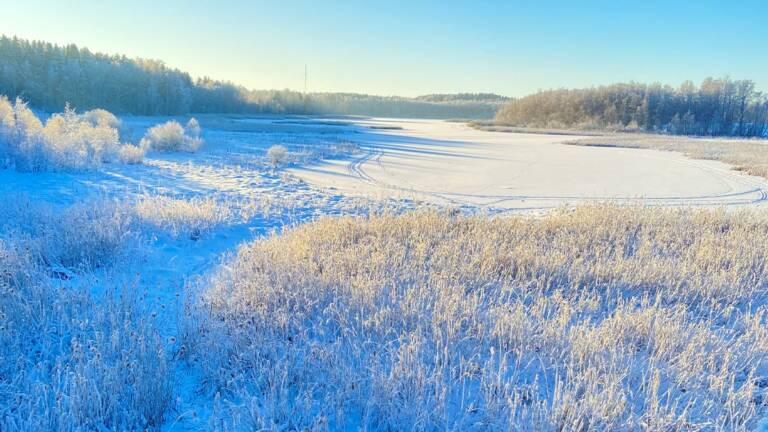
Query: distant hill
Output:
(463,97)
(48,76)
(433,106)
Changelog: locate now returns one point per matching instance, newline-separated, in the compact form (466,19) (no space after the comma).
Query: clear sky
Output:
(411,47)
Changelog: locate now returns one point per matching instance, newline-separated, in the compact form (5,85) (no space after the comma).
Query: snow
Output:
(434,161)
(230,169)
(451,163)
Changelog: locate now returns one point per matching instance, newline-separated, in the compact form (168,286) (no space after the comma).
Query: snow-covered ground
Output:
(451,163)
(400,162)
(231,169)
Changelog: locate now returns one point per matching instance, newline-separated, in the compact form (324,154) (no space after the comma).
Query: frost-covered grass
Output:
(172,137)
(748,155)
(78,350)
(66,142)
(83,236)
(74,356)
(600,318)
(190,217)
(340,147)
(495,127)
(71,360)
(280,155)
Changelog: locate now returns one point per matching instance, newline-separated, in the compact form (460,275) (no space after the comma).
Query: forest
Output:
(717,107)
(49,76)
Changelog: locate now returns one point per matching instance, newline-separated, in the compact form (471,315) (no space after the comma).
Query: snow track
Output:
(450,163)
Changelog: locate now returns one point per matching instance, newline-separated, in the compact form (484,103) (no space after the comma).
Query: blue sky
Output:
(417,47)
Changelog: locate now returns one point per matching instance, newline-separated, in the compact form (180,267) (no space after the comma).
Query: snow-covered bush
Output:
(277,155)
(7,118)
(172,137)
(74,143)
(24,143)
(131,154)
(193,128)
(67,141)
(7,128)
(100,117)
(600,318)
(26,122)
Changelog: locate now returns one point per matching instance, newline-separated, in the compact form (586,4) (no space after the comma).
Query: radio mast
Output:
(305,89)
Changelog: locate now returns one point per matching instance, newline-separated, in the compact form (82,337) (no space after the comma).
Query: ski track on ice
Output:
(386,151)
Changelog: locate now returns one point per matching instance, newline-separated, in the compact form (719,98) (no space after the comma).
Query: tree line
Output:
(717,107)
(457,106)
(48,76)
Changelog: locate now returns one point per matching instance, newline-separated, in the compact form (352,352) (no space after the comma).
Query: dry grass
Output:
(183,217)
(601,318)
(496,127)
(82,237)
(69,360)
(750,156)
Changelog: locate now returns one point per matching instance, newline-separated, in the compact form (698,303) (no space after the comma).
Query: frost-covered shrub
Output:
(7,128)
(168,136)
(27,123)
(101,117)
(24,142)
(600,318)
(131,154)
(193,128)
(74,143)
(277,155)
(7,118)
(172,137)
(67,141)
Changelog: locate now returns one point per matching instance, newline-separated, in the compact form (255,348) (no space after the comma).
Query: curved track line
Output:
(754,194)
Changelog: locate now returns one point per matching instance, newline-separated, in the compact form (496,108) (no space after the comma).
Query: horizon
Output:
(566,232)
(453,49)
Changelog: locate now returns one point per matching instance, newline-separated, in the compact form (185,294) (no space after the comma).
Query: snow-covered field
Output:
(162,224)
(146,243)
(451,163)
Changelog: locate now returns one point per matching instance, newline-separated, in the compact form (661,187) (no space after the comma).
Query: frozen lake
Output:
(452,163)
